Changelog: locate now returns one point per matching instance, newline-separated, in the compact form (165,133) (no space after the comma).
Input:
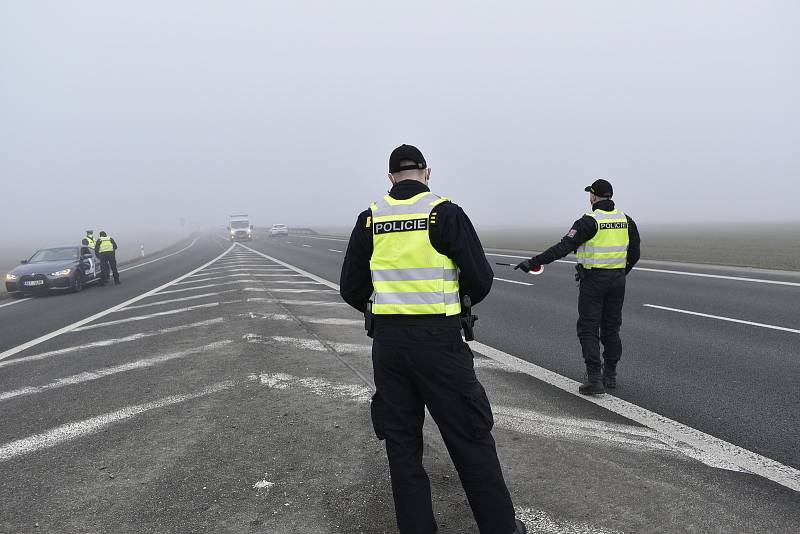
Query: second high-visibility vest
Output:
(608,249)
(89,242)
(106,245)
(409,276)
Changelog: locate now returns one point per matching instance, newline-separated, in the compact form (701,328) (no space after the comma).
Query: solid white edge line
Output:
(728,452)
(745,459)
(41,339)
(729,319)
(513,282)
(136,266)
(321,238)
(680,273)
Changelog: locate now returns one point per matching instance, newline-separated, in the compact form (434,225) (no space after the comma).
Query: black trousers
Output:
(415,367)
(108,261)
(602,293)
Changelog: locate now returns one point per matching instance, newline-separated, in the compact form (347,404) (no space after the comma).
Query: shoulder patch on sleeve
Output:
(572,232)
(369,222)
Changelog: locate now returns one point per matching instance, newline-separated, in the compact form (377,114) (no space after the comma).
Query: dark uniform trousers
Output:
(602,292)
(415,367)
(108,260)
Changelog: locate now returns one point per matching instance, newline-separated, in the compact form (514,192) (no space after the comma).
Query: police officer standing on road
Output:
(89,239)
(415,254)
(106,250)
(606,242)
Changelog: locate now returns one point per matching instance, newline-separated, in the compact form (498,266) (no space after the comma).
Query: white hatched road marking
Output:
(286,290)
(716,451)
(307,344)
(224,276)
(41,339)
(143,317)
(305,318)
(317,386)
(170,301)
(112,341)
(334,250)
(296,302)
(728,319)
(78,429)
(88,376)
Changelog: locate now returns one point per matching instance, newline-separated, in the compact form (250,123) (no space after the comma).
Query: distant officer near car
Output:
(607,244)
(105,248)
(89,239)
(411,258)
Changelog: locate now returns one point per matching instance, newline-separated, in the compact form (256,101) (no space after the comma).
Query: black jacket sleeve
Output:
(453,235)
(634,245)
(114,243)
(582,231)
(355,282)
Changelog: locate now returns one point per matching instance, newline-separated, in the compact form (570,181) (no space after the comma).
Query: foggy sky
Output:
(133,114)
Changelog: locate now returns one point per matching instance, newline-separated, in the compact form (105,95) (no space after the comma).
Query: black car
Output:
(54,269)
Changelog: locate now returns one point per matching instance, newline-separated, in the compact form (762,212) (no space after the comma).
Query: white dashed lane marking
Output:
(720,318)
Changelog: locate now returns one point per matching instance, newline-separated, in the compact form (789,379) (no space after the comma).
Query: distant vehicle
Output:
(278,229)
(240,228)
(54,269)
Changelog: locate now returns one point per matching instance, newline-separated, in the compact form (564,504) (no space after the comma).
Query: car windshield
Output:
(279,226)
(55,254)
(240,224)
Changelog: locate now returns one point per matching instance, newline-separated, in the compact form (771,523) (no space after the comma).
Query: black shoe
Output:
(610,375)
(593,384)
(520,527)
(117,282)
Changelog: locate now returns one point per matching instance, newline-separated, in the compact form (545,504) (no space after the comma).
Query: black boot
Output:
(520,527)
(610,375)
(593,384)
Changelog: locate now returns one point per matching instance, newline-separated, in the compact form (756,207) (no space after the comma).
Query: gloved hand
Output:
(527,266)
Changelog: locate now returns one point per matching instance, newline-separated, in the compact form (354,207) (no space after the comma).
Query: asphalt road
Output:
(738,382)
(226,389)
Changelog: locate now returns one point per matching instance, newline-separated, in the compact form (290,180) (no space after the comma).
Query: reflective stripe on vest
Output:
(409,276)
(608,249)
(106,245)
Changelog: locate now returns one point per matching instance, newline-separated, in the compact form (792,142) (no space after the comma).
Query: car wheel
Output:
(77,283)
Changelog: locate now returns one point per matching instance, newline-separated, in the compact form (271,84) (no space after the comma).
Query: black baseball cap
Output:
(601,188)
(406,153)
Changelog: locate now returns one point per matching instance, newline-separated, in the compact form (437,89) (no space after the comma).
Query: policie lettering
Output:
(400,226)
(613,226)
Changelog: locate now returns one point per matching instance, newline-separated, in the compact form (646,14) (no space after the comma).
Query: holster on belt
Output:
(369,320)
(467,319)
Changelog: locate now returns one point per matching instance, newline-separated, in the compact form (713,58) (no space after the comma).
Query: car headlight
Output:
(11,276)
(63,272)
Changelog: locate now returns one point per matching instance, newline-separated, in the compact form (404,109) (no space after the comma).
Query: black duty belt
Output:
(452,321)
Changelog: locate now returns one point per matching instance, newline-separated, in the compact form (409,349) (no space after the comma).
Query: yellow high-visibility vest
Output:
(409,275)
(89,242)
(608,249)
(106,245)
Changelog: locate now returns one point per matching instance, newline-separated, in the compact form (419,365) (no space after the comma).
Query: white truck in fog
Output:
(239,228)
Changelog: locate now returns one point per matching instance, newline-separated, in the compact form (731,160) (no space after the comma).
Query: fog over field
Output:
(128,116)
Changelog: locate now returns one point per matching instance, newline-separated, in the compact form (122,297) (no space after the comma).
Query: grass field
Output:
(768,246)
